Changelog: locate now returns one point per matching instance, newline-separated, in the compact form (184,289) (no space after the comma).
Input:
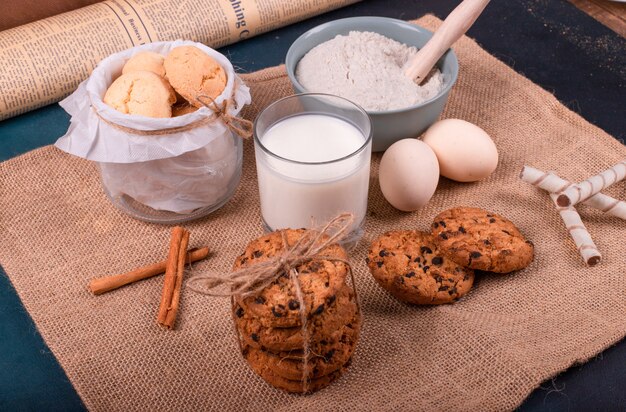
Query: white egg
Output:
(465,152)
(408,174)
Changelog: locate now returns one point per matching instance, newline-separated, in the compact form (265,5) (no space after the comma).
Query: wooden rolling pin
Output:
(454,26)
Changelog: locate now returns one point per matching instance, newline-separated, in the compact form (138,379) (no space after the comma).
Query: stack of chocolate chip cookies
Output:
(270,324)
(438,267)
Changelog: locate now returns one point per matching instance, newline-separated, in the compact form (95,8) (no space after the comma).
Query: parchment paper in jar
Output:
(179,184)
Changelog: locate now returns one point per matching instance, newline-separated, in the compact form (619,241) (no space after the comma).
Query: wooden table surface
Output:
(610,13)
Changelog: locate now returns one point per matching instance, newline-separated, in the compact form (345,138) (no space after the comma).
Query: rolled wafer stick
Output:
(554,184)
(579,233)
(587,188)
(105,284)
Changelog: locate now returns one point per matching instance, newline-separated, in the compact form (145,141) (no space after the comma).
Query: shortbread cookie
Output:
(323,359)
(324,328)
(320,281)
(412,268)
(479,239)
(141,93)
(193,73)
(293,386)
(145,61)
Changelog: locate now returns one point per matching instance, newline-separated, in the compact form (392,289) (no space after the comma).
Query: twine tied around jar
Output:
(251,280)
(237,125)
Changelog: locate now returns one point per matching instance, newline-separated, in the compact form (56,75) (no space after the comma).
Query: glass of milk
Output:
(313,162)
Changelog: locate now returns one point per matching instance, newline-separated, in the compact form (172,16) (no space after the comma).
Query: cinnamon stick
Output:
(105,284)
(170,318)
(170,296)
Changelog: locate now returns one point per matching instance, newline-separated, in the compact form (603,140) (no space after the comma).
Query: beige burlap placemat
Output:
(486,352)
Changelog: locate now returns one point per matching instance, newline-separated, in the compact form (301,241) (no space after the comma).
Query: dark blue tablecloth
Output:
(551,42)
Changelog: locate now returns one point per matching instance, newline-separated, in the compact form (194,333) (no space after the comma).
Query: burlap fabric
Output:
(486,352)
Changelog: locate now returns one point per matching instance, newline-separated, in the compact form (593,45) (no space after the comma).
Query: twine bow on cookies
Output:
(238,125)
(251,280)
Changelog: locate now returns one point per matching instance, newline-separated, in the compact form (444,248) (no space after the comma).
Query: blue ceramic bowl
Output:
(391,125)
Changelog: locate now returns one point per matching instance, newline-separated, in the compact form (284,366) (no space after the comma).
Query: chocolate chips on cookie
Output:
(320,281)
(409,264)
(320,328)
(478,239)
(324,357)
(269,324)
(431,269)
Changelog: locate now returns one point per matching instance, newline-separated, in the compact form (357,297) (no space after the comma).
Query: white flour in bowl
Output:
(366,68)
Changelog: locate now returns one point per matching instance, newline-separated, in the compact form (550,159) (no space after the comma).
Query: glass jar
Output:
(176,189)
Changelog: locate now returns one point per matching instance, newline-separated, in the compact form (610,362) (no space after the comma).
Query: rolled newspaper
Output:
(580,192)
(554,184)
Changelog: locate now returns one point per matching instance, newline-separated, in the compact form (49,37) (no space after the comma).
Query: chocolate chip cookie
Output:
(323,360)
(326,327)
(294,386)
(320,280)
(410,265)
(479,239)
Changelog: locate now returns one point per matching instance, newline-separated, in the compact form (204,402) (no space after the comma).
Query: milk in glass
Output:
(313,167)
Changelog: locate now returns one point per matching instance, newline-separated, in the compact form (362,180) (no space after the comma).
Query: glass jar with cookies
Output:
(161,120)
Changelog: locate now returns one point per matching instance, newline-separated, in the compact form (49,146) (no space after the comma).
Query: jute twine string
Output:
(237,125)
(251,280)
